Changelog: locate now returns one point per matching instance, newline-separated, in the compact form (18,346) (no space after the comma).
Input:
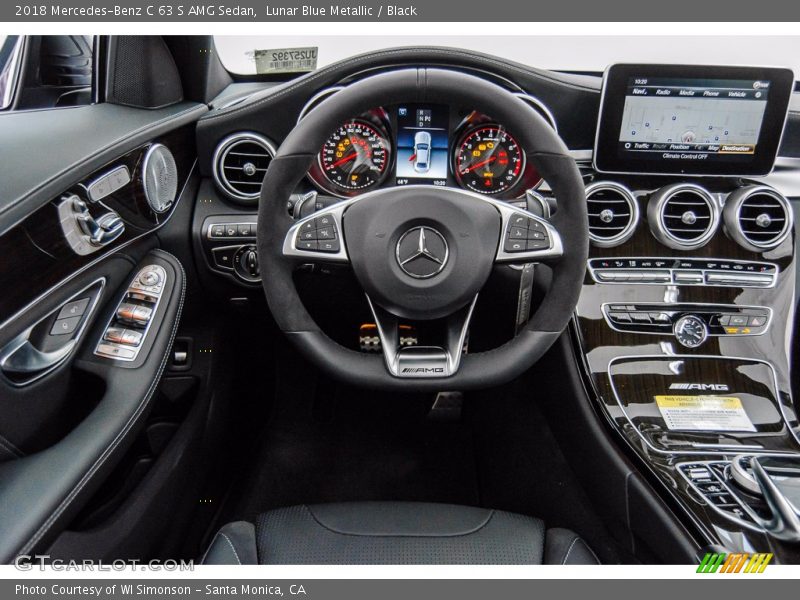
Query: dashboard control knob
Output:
(691,331)
(149,278)
(246,265)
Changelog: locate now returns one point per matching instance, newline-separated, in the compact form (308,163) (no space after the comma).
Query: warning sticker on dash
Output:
(704,413)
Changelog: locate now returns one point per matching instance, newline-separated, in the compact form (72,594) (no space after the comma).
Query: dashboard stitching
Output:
(271,94)
(128,425)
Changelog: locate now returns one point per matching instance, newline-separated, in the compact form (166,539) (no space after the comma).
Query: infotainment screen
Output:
(691,120)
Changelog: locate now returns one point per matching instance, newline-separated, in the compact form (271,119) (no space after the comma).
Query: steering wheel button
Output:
(308,235)
(535,225)
(329,246)
(514,245)
(536,235)
(517,233)
(537,245)
(326,233)
(308,226)
(518,220)
(307,245)
(323,221)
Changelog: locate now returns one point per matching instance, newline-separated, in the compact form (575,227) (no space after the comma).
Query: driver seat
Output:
(395,533)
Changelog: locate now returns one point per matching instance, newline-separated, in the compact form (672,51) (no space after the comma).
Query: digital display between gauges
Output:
(488,160)
(422,144)
(356,156)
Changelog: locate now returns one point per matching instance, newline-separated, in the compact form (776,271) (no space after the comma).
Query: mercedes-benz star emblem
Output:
(422,252)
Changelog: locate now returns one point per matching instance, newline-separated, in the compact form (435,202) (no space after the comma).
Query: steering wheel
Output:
(424,252)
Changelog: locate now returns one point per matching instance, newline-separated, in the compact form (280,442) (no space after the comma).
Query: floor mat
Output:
(348,444)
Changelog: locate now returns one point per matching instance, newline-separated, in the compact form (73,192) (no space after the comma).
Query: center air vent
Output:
(240,162)
(613,213)
(683,216)
(757,217)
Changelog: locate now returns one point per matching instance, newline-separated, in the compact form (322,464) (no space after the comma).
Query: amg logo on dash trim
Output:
(714,387)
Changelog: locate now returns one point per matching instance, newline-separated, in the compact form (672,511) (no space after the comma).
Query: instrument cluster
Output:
(428,144)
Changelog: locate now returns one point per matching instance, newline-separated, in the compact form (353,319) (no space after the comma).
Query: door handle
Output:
(20,357)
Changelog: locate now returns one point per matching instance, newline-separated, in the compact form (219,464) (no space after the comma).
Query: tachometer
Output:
(488,160)
(356,156)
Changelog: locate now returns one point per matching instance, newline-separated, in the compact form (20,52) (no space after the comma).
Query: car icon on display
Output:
(422,152)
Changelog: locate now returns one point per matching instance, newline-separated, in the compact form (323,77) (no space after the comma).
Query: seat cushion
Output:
(395,533)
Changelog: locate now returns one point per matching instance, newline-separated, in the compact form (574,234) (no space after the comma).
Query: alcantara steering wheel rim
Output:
(391,213)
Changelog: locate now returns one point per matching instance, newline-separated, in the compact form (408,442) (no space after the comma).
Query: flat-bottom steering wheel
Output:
(424,252)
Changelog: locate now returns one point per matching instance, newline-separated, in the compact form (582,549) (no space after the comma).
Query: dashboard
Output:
(689,287)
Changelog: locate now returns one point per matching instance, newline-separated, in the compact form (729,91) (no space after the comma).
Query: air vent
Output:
(240,162)
(757,217)
(613,213)
(683,216)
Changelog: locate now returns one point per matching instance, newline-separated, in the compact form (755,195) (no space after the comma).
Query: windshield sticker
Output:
(286,60)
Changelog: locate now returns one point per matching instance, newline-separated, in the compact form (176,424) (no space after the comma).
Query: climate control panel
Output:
(691,324)
(684,271)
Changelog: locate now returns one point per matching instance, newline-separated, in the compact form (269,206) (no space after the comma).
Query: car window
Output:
(10,52)
(245,54)
(48,71)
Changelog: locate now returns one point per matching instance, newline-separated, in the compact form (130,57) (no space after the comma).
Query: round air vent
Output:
(240,162)
(160,177)
(683,216)
(757,217)
(613,213)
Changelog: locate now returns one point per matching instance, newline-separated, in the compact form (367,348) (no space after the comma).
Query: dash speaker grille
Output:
(160,177)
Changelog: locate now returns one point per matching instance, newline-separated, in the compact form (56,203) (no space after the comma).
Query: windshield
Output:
(246,54)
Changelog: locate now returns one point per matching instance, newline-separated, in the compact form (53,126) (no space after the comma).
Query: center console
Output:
(684,323)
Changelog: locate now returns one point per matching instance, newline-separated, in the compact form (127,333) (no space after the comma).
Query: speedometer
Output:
(356,156)
(488,160)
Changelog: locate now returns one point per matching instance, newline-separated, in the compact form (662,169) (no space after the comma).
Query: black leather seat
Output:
(395,533)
